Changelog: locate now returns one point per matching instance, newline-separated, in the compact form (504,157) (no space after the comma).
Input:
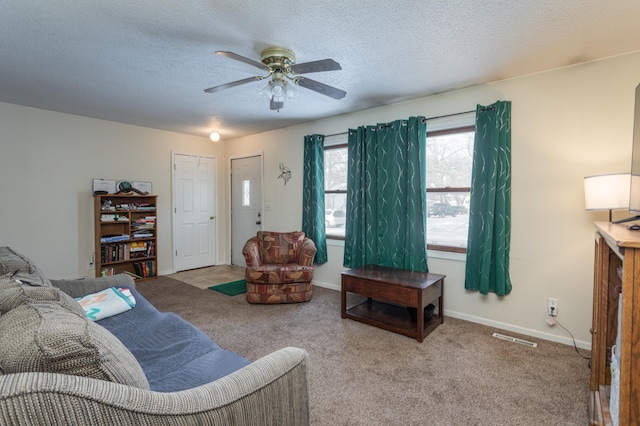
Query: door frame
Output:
(173,205)
(230,189)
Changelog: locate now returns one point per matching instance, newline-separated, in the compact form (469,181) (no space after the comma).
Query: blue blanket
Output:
(173,354)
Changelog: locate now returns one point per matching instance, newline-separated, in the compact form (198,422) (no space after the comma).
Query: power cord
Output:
(573,338)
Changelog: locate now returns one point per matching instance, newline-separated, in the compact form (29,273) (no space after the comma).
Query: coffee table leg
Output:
(420,322)
(343,302)
(441,302)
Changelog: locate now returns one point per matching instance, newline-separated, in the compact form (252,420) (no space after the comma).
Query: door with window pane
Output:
(246,203)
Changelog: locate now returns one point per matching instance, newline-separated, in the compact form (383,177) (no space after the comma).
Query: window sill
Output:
(446,255)
(435,254)
(335,242)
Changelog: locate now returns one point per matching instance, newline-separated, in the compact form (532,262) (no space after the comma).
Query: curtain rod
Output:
(425,119)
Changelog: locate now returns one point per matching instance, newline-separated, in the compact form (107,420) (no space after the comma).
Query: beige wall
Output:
(567,124)
(47,163)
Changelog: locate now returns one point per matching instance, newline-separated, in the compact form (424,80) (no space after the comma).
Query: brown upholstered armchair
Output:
(279,267)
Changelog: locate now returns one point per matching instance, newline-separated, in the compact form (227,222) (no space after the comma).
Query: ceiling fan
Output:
(279,62)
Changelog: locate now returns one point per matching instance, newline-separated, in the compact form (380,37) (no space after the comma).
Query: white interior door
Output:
(194,212)
(246,203)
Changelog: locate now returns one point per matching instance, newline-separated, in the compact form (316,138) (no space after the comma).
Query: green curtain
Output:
(313,195)
(386,196)
(487,268)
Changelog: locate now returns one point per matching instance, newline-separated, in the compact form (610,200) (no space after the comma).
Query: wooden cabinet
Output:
(126,235)
(617,271)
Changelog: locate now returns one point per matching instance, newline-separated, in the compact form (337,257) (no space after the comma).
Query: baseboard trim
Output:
(520,330)
(497,324)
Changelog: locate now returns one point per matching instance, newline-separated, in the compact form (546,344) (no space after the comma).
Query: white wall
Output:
(47,163)
(566,124)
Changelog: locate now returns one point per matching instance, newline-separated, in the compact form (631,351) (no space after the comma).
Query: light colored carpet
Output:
(206,277)
(362,375)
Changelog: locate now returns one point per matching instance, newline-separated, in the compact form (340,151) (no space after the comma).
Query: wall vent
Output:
(515,340)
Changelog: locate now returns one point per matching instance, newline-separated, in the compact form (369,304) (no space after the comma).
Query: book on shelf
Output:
(142,234)
(113,238)
(114,253)
(107,272)
(145,269)
(151,249)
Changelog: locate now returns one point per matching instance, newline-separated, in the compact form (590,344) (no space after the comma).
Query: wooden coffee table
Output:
(390,294)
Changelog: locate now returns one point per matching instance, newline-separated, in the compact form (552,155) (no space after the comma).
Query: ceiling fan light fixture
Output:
(277,88)
(266,91)
(276,104)
(290,91)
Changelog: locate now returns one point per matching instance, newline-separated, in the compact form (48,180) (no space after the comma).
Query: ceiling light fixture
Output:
(279,90)
(214,136)
(283,75)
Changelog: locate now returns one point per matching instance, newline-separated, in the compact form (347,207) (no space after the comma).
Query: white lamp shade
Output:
(607,192)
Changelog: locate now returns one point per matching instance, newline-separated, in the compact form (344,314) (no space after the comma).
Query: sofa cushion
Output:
(280,247)
(173,353)
(47,336)
(18,266)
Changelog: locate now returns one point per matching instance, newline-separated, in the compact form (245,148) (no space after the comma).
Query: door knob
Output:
(258,222)
(212,217)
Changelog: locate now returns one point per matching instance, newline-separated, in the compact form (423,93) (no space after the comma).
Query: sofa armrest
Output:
(84,286)
(271,391)
(251,252)
(307,252)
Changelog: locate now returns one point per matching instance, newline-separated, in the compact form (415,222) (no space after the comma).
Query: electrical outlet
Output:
(552,307)
(90,265)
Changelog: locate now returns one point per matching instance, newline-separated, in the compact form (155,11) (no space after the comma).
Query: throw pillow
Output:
(21,267)
(13,293)
(42,335)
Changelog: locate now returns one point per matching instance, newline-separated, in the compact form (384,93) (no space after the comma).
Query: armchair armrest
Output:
(307,253)
(84,286)
(273,390)
(251,252)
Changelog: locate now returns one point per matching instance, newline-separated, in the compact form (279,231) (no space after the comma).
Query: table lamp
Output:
(607,192)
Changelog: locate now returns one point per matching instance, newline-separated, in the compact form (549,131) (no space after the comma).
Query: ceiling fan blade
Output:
(232,84)
(322,88)
(243,59)
(316,66)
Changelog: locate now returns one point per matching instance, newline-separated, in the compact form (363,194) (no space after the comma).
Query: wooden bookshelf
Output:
(126,235)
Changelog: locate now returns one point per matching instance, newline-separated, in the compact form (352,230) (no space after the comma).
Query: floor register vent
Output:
(515,340)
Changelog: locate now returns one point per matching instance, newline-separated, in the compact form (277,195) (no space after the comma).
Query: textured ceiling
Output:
(148,62)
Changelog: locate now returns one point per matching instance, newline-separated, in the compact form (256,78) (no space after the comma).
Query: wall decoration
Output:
(285,173)
(104,186)
(144,187)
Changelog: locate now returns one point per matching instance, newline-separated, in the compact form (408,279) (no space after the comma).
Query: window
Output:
(449,160)
(335,186)
(246,193)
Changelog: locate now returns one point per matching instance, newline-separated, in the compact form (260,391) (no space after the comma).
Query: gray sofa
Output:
(139,367)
